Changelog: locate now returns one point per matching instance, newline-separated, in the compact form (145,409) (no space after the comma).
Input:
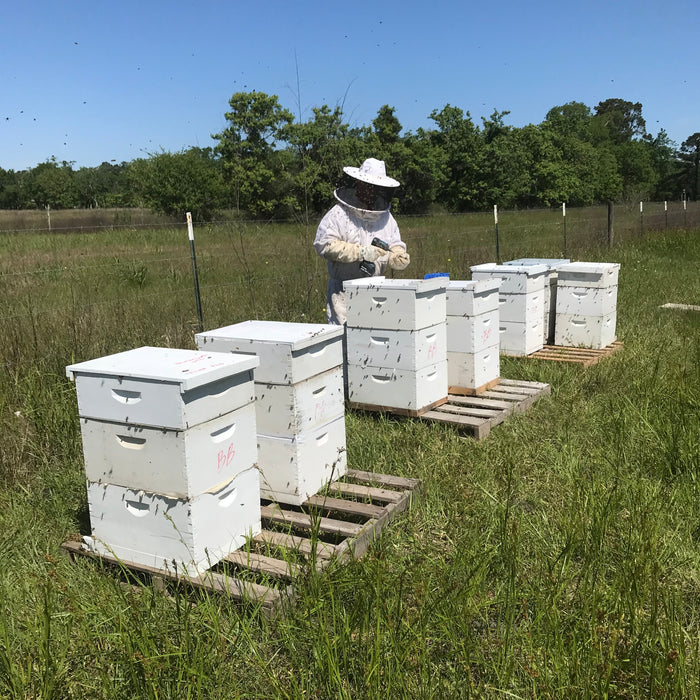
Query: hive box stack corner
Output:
(587,304)
(396,343)
(521,305)
(473,359)
(170,459)
(300,406)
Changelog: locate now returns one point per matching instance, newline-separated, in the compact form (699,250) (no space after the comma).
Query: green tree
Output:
(321,147)
(256,122)
(175,183)
(689,155)
(50,184)
(620,120)
(103,186)
(460,142)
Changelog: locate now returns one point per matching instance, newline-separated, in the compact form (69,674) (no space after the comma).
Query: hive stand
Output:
(580,356)
(476,415)
(334,526)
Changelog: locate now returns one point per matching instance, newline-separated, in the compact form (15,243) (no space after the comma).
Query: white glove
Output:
(370,253)
(398,258)
(343,252)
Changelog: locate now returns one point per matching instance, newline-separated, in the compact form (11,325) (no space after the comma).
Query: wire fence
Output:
(78,296)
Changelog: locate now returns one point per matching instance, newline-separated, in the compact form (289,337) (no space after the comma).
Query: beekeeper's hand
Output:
(370,253)
(398,258)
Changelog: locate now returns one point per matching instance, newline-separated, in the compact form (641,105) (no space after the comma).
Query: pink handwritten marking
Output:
(225,458)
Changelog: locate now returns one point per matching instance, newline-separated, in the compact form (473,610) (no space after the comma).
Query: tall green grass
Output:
(557,558)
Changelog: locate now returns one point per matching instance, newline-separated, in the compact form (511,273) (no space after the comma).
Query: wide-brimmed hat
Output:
(372,171)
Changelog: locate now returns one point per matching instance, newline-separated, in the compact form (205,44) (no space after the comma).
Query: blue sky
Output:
(104,81)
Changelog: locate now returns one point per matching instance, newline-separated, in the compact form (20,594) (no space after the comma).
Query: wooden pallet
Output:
(334,526)
(581,356)
(476,415)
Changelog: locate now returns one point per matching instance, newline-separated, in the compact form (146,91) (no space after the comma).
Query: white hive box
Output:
(586,331)
(163,532)
(550,296)
(472,334)
(515,279)
(289,352)
(517,338)
(587,304)
(473,370)
(588,274)
(587,301)
(395,304)
(409,350)
(288,409)
(400,389)
(163,387)
(181,464)
(472,297)
(294,468)
(521,307)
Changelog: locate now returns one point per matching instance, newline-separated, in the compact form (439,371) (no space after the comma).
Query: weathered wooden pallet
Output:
(581,356)
(333,526)
(476,415)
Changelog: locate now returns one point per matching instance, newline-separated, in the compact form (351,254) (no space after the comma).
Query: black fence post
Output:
(611,224)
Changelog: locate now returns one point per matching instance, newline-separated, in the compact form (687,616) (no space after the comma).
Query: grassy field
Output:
(557,558)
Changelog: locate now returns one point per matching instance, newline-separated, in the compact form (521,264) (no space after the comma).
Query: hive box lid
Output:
(188,368)
(550,263)
(474,286)
(508,270)
(296,335)
(416,285)
(589,274)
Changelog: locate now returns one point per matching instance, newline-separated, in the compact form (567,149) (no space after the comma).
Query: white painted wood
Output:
(394,388)
(550,297)
(410,350)
(521,307)
(550,263)
(588,274)
(586,331)
(515,279)
(472,297)
(521,338)
(395,304)
(293,469)
(470,334)
(587,301)
(288,352)
(287,409)
(166,532)
(177,463)
(163,387)
(472,370)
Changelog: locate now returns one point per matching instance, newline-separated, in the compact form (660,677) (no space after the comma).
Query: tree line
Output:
(266,164)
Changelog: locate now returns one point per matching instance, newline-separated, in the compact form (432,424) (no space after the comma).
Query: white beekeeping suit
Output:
(344,236)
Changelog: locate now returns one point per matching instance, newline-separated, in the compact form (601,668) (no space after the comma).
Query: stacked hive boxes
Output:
(300,405)
(521,303)
(396,342)
(472,334)
(587,304)
(550,290)
(170,452)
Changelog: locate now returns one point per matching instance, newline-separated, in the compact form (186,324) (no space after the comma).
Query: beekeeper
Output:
(345,234)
